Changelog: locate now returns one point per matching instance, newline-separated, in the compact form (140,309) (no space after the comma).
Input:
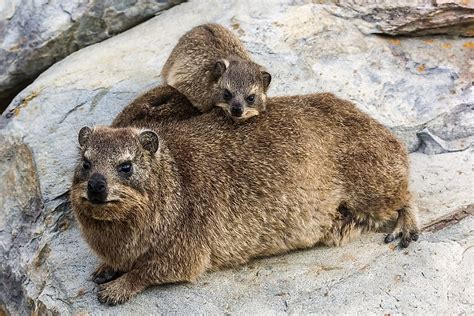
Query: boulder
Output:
(453,17)
(421,88)
(36,34)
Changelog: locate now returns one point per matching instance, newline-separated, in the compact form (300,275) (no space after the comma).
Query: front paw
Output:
(114,292)
(104,274)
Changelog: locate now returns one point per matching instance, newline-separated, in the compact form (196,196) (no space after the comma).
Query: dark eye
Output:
(251,99)
(86,165)
(227,95)
(126,168)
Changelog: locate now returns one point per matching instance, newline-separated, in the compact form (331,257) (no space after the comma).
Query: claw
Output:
(389,238)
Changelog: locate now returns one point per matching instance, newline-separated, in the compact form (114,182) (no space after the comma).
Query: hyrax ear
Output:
(220,67)
(267,78)
(84,134)
(149,140)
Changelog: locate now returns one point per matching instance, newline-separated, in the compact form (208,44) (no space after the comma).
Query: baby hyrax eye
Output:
(251,99)
(86,165)
(227,95)
(125,168)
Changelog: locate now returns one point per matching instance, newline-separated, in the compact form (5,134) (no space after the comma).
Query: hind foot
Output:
(406,227)
(405,238)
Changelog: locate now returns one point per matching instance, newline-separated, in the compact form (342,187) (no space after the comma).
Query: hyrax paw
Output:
(113,293)
(104,274)
(405,238)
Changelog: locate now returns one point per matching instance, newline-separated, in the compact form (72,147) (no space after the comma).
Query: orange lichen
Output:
(428,41)
(394,41)
(468,45)
(447,45)
(421,68)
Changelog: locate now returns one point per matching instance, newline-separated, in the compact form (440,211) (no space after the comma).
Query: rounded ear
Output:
(84,134)
(220,67)
(149,140)
(267,78)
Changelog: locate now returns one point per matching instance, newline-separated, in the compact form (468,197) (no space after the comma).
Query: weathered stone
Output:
(412,85)
(425,17)
(20,211)
(36,34)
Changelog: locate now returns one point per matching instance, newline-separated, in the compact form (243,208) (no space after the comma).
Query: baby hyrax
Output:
(211,67)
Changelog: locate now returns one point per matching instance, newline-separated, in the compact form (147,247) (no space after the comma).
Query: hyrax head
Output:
(110,179)
(241,87)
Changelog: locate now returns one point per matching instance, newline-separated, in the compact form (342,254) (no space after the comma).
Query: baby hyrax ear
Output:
(149,140)
(84,134)
(267,78)
(220,67)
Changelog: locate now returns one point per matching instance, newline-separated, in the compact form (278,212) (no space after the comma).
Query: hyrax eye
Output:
(86,165)
(126,168)
(227,95)
(251,99)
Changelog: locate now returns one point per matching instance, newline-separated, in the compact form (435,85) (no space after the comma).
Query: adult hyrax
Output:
(165,203)
(211,67)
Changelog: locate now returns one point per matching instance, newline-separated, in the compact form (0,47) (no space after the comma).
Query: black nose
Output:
(236,109)
(97,188)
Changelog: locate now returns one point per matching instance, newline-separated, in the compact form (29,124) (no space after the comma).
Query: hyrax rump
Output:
(160,104)
(164,204)
(211,67)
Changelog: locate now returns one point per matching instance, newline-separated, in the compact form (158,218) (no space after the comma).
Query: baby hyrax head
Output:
(110,180)
(241,87)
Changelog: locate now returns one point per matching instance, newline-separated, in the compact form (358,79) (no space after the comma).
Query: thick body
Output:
(313,170)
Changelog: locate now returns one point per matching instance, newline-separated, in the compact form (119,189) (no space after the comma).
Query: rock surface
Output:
(454,17)
(421,88)
(36,34)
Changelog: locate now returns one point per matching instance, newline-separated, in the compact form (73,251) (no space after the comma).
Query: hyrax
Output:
(165,203)
(159,104)
(211,67)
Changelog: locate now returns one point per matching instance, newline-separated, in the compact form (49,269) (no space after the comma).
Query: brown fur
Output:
(314,169)
(208,60)
(159,104)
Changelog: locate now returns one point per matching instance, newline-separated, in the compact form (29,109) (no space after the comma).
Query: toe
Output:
(405,241)
(389,238)
(414,236)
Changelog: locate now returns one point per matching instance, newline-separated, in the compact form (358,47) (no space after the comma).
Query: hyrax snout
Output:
(211,67)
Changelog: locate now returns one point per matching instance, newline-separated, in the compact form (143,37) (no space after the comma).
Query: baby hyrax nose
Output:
(97,188)
(236,109)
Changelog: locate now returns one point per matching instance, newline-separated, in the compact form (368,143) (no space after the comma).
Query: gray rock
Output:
(20,211)
(36,34)
(409,84)
(453,17)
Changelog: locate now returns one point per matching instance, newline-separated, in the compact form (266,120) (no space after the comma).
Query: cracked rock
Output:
(36,34)
(453,17)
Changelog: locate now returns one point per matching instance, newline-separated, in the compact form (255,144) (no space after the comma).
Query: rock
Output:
(36,34)
(415,86)
(20,209)
(453,17)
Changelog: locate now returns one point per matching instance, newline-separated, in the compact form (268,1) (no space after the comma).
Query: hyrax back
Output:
(211,67)
(160,104)
(164,205)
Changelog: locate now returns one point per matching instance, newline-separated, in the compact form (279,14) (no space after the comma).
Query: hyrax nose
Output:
(236,109)
(97,188)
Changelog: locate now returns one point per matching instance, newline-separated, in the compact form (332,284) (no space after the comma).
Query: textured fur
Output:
(160,104)
(314,169)
(191,69)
